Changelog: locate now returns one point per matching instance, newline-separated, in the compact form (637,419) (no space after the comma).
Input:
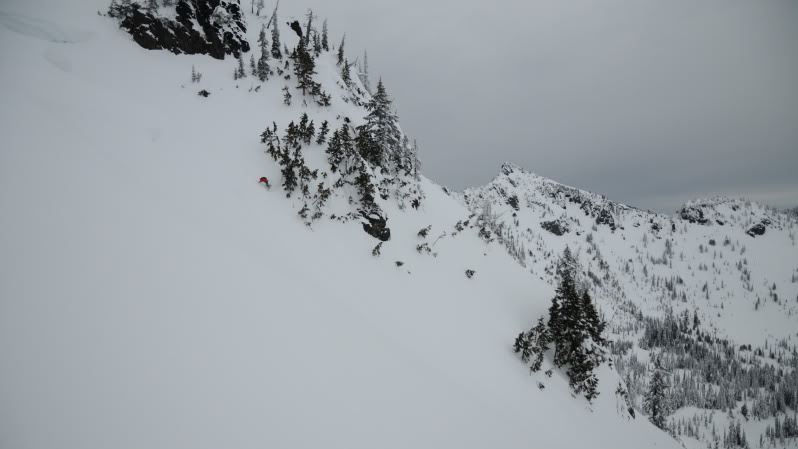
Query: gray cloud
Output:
(650,103)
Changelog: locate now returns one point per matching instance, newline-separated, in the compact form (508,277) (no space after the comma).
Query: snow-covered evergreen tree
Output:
(341,50)
(381,125)
(655,400)
(276,54)
(364,72)
(325,43)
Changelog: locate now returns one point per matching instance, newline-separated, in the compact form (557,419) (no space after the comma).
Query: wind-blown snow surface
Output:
(152,295)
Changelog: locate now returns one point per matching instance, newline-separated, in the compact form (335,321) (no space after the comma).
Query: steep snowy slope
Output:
(154,295)
(708,242)
(713,288)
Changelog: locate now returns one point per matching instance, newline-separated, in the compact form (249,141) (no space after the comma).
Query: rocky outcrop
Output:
(376,226)
(602,213)
(556,227)
(211,27)
(759,228)
(693,215)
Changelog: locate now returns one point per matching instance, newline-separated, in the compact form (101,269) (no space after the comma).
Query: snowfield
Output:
(153,295)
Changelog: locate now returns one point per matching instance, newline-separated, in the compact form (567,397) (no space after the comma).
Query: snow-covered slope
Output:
(709,242)
(722,271)
(154,295)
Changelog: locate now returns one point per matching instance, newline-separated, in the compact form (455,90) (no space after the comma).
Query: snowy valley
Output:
(155,294)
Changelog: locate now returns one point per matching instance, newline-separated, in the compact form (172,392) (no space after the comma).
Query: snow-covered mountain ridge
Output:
(723,272)
(155,295)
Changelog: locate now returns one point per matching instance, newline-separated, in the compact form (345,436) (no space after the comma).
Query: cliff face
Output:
(212,27)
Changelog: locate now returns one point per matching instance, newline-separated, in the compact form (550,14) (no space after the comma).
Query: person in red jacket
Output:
(265,180)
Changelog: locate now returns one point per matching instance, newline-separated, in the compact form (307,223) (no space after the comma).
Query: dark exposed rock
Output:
(221,28)
(757,229)
(556,227)
(469,273)
(376,226)
(203,93)
(296,27)
(602,213)
(513,201)
(693,215)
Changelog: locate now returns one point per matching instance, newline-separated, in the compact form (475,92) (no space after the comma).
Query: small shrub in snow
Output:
(196,76)
(424,231)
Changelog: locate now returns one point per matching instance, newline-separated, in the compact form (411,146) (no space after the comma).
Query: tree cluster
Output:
(574,329)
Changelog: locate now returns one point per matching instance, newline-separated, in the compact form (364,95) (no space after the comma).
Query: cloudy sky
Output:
(649,102)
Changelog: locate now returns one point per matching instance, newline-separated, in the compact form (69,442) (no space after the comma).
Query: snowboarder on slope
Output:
(265,180)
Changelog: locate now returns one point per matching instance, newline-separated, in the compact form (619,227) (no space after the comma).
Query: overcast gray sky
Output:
(649,102)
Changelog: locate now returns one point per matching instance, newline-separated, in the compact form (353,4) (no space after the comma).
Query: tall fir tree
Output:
(345,76)
(655,398)
(416,162)
(367,147)
(276,54)
(573,324)
(240,71)
(262,37)
(381,124)
(341,50)
(594,323)
(364,72)
(325,43)
(304,69)
(564,313)
(309,28)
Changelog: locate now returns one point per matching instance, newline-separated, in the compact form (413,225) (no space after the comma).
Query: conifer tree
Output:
(262,37)
(263,68)
(564,313)
(655,400)
(240,71)
(252,66)
(309,28)
(276,54)
(594,322)
(416,162)
(304,69)
(381,124)
(345,77)
(286,96)
(316,44)
(334,151)
(537,342)
(323,133)
(364,72)
(573,324)
(341,50)
(325,44)
(367,147)
(365,187)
